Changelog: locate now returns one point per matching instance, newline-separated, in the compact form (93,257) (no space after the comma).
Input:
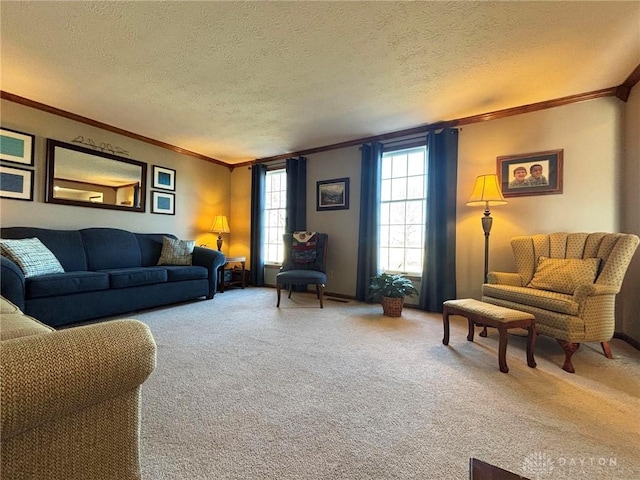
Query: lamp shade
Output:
(220,224)
(486,192)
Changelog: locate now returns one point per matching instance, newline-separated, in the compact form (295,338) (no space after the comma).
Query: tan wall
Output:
(340,225)
(629,299)
(590,135)
(240,214)
(202,188)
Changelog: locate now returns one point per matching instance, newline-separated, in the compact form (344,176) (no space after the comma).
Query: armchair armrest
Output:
(211,260)
(12,282)
(505,278)
(593,289)
(47,376)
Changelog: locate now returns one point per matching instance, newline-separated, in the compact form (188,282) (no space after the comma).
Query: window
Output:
(402,210)
(275,215)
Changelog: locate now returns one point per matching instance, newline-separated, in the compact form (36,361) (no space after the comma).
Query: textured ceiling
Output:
(242,80)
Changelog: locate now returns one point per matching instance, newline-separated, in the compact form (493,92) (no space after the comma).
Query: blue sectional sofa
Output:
(107,271)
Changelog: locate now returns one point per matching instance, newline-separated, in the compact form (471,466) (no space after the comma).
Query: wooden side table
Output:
(234,282)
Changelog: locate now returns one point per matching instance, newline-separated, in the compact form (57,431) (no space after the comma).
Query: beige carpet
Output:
(244,390)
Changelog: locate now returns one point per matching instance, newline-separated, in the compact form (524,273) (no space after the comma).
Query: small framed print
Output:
(16,147)
(164,178)
(332,194)
(163,203)
(537,173)
(16,183)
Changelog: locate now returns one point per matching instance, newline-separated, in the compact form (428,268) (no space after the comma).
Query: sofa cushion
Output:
(65,284)
(180,273)
(176,252)
(31,255)
(15,324)
(110,248)
(556,302)
(134,277)
(563,275)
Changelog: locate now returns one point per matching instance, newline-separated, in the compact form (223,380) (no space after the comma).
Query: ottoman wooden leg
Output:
(531,345)
(472,325)
(502,350)
(445,321)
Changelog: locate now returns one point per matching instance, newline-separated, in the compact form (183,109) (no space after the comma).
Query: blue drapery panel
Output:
(369,214)
(439,268)
(296,195)
(258,186)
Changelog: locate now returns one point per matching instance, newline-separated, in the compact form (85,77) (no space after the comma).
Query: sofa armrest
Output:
(505,278)
(51,375)
(12,282)
(211,260)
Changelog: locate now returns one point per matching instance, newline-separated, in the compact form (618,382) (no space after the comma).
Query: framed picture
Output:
(163,203)
(332,194)
(164,178)
(16,183)
(16,146)
(537,173)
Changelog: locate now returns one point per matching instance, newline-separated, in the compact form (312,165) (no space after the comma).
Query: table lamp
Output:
(220,226)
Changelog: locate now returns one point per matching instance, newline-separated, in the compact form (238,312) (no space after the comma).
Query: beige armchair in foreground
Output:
(70,399)
(569,282)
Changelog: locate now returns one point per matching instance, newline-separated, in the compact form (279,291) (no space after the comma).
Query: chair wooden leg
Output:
(278,288)
(320,291)
(290,289)
(569,349)
(606,348)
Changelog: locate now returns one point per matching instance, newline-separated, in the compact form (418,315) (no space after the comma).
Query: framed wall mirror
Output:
(88,178)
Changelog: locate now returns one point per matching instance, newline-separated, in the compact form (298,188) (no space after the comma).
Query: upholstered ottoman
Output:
(477,312)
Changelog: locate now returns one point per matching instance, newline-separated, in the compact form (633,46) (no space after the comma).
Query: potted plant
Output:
(390,291)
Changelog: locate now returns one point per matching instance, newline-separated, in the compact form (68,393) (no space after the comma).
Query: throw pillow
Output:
(31,255)
(563,275)
(176,252)
(303,247)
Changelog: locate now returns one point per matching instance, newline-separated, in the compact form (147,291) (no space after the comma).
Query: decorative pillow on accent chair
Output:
(563,275)
(32,256)
(176,252)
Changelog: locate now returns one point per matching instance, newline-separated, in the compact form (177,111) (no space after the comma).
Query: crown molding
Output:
(621,91)
(104,126)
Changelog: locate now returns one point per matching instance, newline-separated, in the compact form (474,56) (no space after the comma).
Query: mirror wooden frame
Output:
(50,178)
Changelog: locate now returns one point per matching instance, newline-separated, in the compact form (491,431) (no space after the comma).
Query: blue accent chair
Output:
(303,273)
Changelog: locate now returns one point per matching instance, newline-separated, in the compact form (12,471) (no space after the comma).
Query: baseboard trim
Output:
(630,340)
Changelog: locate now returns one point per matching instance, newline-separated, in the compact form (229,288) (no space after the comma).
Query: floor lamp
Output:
(486,193)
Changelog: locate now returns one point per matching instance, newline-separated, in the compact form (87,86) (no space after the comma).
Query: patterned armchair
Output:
(569,282)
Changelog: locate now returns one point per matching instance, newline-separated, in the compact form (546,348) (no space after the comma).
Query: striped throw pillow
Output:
(31,255)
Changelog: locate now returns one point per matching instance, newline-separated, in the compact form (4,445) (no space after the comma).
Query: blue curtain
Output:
(258,186)
(439,269)
(369,213)
(296,219)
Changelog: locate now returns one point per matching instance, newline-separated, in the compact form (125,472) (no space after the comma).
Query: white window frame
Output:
(274,216)
(403,190)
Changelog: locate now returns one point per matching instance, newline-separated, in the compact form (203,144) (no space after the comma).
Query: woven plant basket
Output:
(392,307)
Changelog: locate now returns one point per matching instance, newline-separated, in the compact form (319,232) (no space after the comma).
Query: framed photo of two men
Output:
(537,173)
